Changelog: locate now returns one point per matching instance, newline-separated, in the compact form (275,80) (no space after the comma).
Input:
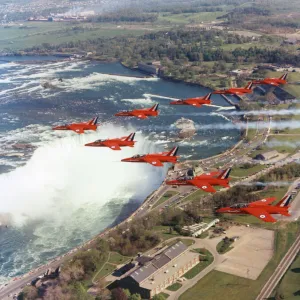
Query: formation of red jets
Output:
(206,182)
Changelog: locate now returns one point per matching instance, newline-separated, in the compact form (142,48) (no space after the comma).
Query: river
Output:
(56,193)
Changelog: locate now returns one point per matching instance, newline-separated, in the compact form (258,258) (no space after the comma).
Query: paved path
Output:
(280,271)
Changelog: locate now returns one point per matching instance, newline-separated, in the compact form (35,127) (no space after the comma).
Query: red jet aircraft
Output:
(140,113)
(261,209)
(79,127)
(273,81)
(156,159)
(114,144)
(198,101)
(236,91)
(205,181)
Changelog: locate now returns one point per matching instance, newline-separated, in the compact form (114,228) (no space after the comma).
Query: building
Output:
(151,68)
(241,72)
(198,228)
(153,276)
(267,155)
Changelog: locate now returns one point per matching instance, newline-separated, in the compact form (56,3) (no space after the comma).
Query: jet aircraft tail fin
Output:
(224,174)
(207,97)
(249,86)
(284,76)
(130,137)
(173,152)
(93,121)
(154,107)
(285,201)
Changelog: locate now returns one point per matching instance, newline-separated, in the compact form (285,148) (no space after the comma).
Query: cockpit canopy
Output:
(185,178)
(99,141)
(239,205)
(137,156)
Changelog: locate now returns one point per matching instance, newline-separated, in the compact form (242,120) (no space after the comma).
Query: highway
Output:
(280,271)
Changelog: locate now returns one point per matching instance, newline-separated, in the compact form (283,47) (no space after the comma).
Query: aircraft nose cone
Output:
(89,144)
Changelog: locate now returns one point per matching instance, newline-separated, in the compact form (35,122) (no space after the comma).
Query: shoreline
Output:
(113,226)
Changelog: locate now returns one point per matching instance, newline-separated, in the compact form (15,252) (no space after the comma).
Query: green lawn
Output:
(219,286)
(187,18)
(194,196)
(106,270)
(174,287)
(241,172)
(223,247)
(206,260)
(289,287)
(164,232)
(166,296)
(37,33)
(167,195)
(116,258)
(188,242)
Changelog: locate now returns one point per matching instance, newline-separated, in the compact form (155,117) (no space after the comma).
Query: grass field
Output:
(107,269)
(188,242)
(195,196)
(116,258)
(165,197)
(284,144)
(36,33)
(174,287)
(187,18)
(164,295)
(216,285)
(289,287)
(223,247)
(240,172)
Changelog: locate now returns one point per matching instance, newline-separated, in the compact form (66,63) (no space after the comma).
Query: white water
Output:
(63,176)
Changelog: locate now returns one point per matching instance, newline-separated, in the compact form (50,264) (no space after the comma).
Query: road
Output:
(280,271)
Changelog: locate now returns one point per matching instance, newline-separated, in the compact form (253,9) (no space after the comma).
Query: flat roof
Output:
(171,268)
(158,261)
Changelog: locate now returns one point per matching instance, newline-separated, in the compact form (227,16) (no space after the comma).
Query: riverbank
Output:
(90,79)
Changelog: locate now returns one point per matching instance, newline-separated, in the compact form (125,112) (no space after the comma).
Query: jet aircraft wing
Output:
(78,130)
(139,115)
(153,162)
(114,146)
(263,202)
(260,213)
(204,186)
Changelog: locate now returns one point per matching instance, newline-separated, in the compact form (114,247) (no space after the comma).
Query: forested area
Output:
(183,53)
(287,172)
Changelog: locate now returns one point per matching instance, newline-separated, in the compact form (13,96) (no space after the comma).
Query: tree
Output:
(29,293)
(135,297)
(118,294)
